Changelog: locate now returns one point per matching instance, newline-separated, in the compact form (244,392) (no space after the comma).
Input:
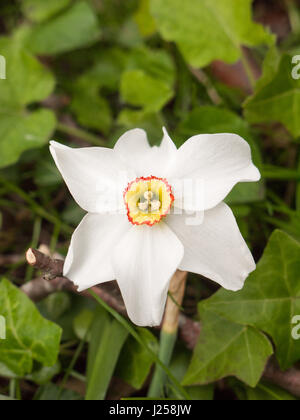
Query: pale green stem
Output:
(166,346)
(168,333)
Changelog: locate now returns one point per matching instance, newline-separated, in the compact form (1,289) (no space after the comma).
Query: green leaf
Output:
(148,81)
(77,27)
(144,20)
(23,132)
(139,89)
(45,374)
(57,304)
(135,361)
(151,123)
(107,339)
(91,109)
(270,298)
(270,67)
(28,82)
(211,120)
(226,348)
(40,10)
(29,336)
(268,392)
(106,71)
(206,31)
(277,97)
(82,324)
(179,365)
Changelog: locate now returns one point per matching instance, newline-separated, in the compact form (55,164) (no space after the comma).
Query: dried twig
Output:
(54,281)
(189,330)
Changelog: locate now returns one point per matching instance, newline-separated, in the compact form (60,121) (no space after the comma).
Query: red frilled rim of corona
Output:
(162,214)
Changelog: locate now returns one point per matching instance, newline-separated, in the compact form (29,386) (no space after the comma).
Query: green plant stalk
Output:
(12,388)
(81,134)
(166,346)
(168,335)
(72,364)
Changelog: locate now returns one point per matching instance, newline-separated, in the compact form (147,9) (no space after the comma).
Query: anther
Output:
(155,205)
(148,195)
(143,206)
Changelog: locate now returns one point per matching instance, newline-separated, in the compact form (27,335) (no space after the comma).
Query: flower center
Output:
(148,200)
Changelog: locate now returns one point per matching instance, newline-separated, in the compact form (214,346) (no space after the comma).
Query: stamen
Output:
(148,195)
(148,200)
(143,206)
(155,205)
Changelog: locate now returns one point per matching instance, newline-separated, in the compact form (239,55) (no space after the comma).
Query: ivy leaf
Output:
(59,35)
(206,31)
(268,392)
(91,109)
(226,348)
(27,82)
(179,365)
(135,361)
(45,374)
(277,96)
(22,132)
(29,337)
(139,89)
(148,81)
(270,298)
(41,10)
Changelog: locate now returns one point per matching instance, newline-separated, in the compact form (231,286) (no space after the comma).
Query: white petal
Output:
(214,248)
(144,261)
(163,156)
(134,151)
(137,154)
(167,145)
(89,258)
(213,163)
(94,176)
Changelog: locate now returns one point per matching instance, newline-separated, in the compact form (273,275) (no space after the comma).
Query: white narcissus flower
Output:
(139,227)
